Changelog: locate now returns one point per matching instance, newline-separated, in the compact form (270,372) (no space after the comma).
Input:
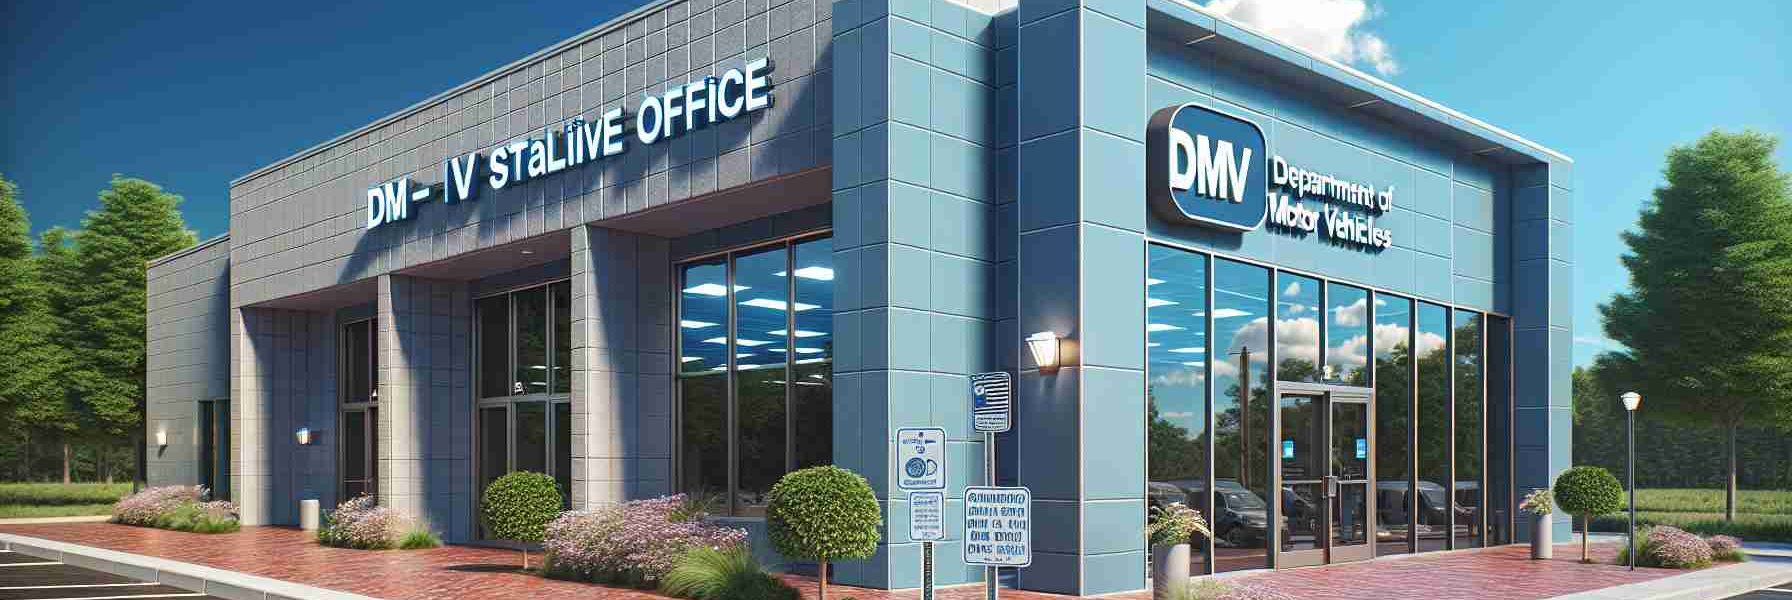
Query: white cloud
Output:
(1351,315)
(1329,28)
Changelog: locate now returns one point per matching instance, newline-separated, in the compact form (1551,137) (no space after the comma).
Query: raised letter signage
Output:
(1208,167)
(679,110)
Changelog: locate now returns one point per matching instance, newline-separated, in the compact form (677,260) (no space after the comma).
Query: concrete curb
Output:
(51,520)
(1707,584)
(187,576)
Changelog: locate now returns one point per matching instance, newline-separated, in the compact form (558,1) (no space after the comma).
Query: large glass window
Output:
(755,374)
(812,373)
(1346,335)
(358,417)
(525,369)
(1468,407)
(1176,346)
(1297,328)
(1393,424)
(1499,430)
(703,378)
(1434,428)
(1241,408)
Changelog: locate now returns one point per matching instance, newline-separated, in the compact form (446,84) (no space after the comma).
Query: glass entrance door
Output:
(1324,451)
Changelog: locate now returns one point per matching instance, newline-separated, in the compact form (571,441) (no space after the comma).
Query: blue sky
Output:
(194,95)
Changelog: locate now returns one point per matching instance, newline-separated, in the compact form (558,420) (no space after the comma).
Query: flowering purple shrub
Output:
(146,507)
(631,543)
(1722,543)
(362,523)
(1674,548)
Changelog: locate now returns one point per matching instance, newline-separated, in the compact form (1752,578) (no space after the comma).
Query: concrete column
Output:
(425,420)
(621,367)
(1081,81)
(923,243)
(1542,304)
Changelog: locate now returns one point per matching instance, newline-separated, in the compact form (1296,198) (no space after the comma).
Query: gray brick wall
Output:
(298,225)
(188,341)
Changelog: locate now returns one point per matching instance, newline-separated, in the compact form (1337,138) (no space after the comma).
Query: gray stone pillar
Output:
(426,404)
(621,366)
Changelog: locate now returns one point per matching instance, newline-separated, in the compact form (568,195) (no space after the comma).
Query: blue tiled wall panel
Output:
(920,249)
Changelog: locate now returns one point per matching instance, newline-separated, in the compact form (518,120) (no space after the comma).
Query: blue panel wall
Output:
(1449,207)
(923,239)
(1080,165)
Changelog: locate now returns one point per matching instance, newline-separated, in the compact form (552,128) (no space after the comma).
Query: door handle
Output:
(1331,486)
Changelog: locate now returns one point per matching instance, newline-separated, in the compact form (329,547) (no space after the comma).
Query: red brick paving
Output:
(472,572)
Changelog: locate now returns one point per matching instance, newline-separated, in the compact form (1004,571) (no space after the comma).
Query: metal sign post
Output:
(927,524)
(992,412)
(921,470)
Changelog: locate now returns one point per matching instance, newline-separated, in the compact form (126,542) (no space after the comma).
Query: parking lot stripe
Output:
(30,564)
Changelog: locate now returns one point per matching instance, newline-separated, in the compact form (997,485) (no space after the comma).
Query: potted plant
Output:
(1540,503)
(1170,529)
(822,514)
(1587,492)
(518,507)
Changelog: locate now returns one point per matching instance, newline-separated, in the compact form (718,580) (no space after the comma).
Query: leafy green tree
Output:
(822,514)
(1587,492)
(1707,323)
(33,402)
(136,222)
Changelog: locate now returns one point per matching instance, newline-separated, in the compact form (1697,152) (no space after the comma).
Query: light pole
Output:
(1631,401)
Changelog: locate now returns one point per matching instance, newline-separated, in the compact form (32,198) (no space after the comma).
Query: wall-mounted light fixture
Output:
(303,436)
(1045,350)
(161,438)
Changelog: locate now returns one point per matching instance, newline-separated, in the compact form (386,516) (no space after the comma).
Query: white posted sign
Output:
(992,401)
(998,526)
(927,516)
(921,458)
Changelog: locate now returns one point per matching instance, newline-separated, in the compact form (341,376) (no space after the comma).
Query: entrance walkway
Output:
(470,572)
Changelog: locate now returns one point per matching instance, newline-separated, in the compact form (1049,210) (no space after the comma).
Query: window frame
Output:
(730,503)
(550,400)
(367,405)
(1450,309)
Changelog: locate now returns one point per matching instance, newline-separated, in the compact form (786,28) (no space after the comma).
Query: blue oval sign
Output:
(1207,167)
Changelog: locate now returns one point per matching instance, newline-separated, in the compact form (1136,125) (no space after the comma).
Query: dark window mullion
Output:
(789,357)
(730,424)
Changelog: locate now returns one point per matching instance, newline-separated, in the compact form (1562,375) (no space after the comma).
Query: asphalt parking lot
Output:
(25,577)
(1782,591)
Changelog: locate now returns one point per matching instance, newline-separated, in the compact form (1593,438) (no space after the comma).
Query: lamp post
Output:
(1631,401)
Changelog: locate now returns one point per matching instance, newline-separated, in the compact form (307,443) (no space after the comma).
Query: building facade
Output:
(710,242)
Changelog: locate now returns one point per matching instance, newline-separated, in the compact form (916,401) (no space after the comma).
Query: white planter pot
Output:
(1169,567)
(1542,543)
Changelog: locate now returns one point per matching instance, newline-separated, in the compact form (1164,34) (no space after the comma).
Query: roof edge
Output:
(613,24)
(1384,85)
(193,249)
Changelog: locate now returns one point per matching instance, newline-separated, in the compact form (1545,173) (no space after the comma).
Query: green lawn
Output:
(1761,515)
(25,500)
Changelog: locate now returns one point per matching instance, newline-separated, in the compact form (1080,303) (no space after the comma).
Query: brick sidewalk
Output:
(471,572)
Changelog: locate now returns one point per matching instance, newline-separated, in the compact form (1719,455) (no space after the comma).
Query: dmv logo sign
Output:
(1208,167)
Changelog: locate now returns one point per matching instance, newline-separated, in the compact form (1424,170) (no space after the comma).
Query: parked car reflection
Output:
(1391,502)
(1240,518)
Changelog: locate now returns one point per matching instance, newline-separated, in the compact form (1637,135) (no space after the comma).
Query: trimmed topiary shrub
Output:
(823,514)
(519,506)
(1587,492)
(731,574)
